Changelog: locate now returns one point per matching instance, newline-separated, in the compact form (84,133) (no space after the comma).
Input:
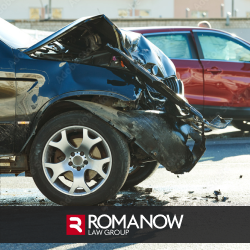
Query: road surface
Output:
(221,178)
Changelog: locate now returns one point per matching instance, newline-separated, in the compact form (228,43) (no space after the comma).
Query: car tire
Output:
(242,125)
(101,157)
(139,174)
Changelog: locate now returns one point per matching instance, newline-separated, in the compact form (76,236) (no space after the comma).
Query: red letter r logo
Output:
(75,224)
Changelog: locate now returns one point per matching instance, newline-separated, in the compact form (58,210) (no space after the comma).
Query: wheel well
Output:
(63,106)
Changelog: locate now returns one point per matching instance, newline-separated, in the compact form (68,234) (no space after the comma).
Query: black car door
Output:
(7,100)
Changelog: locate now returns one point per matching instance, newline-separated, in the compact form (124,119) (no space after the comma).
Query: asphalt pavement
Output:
(221,178)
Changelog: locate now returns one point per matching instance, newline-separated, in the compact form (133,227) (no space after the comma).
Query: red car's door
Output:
(179,47)
(226,63)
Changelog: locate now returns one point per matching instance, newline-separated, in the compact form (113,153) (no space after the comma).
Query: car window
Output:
(172,45)
(220,47)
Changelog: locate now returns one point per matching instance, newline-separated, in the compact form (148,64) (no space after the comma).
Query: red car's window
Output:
(220,47)
(175,46)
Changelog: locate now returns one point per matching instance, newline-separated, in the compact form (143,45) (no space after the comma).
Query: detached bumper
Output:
(161,138)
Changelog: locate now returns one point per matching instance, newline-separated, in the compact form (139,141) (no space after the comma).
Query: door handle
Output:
(214,70)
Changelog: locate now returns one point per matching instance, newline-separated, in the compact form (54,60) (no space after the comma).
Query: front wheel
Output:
(78,159)
(242,125)
(138,174)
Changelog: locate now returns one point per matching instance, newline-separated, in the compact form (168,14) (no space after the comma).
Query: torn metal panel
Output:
(162,140)
(84,41)
(163,89)
(147,54)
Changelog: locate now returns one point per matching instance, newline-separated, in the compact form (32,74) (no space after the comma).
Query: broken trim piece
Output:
(163,89)
(151,131)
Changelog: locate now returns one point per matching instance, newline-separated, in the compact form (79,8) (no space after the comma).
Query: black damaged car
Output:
(92,108)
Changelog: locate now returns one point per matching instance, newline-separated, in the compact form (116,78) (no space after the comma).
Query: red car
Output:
(214,66)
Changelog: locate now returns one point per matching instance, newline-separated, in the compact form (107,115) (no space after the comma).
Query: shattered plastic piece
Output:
(217,193)
(241,176)
(224,199)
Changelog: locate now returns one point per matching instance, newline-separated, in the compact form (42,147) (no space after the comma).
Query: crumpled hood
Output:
(139,54)
(133,44)
(147,54)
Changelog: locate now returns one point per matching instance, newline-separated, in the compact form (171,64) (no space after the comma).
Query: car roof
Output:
(155,29)
(158,29)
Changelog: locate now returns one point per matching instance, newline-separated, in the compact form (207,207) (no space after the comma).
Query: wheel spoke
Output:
(88,143)
(63,144)
(79,181)
(58,169)
(97,165)
(76,183)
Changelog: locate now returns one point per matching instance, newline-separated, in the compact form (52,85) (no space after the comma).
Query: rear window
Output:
(175,46)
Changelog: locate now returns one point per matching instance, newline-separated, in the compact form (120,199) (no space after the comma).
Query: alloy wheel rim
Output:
(77,161)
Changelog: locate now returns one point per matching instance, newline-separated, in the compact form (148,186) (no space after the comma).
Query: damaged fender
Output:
(151,131)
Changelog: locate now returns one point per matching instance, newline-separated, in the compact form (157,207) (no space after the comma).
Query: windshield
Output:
(14,37)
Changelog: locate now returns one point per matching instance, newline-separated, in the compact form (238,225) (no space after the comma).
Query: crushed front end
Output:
(159,121)
(164,134)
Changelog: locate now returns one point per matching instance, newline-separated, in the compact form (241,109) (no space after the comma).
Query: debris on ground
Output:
(224,199)
(167,192)
(141,203)
(140,196)
(148,190)
(220,197)
(174,197)
(217,192)
(240,176)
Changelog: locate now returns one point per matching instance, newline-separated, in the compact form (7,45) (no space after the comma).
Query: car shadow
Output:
(224,134)
(135,196)
(218,152)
